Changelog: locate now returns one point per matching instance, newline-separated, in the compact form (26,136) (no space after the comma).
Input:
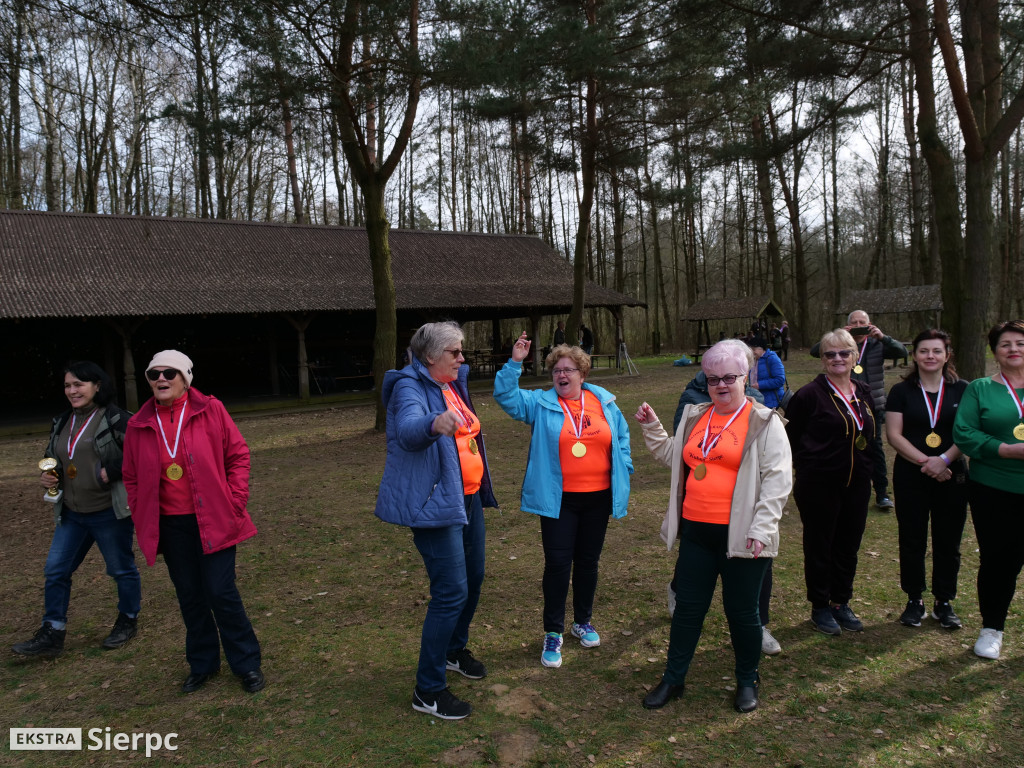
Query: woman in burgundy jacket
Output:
(186,471)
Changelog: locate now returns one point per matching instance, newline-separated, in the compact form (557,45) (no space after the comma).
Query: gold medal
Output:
(700,471)
(174,472)
(1018,431)
(933,440)
(858,368)
(473,447)
(72,470)
(861,442)
(579,450)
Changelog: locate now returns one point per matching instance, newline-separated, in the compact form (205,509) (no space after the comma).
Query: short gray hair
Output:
(849,317)
(728,350)
(432,339)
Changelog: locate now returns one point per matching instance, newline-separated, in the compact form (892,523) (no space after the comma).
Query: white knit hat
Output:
(172,358)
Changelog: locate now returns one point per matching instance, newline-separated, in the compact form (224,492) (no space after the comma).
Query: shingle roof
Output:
(88,265)
(910,298)
(727,309)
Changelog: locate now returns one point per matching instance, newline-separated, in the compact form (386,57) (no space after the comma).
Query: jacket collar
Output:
(549,399)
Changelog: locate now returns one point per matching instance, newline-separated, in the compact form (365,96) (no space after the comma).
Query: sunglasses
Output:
(843,353)
(169,374)
(728,380)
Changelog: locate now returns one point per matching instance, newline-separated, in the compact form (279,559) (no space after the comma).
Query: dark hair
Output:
(948,369)
(1013,326)
(86,370)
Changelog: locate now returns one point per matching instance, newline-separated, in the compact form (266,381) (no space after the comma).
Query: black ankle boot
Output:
(746,697)
(47,641)
(662,694)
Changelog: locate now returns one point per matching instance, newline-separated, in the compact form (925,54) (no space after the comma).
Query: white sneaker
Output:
(671,601)
(990,642)
(769,645)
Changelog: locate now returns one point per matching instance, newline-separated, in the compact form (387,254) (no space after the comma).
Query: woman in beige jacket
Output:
(731,476)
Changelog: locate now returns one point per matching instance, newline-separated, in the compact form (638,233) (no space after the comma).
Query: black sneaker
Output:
(124,630)
(884,503)
(825,622)
(913,613)
(466,665)
(442,704)
(943,613)
(47,641)
(846,618)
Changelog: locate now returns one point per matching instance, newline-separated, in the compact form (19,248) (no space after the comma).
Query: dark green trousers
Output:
(702,559)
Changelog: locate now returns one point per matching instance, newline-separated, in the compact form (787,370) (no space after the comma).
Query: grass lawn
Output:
(338,598)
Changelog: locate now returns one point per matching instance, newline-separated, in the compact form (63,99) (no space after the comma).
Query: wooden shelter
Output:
(115,289)
(887,301)
(750,309)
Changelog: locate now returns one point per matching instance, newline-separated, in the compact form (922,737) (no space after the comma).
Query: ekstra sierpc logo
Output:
(96,739)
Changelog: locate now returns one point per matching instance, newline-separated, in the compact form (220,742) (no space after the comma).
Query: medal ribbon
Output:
(849,405)
(456,404)
(1016,401)
(577,429)
(863,349)
(177,437)
(933,416)
(706,446)
(73,439)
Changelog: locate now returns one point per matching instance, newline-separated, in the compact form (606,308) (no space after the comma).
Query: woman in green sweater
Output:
(989,428)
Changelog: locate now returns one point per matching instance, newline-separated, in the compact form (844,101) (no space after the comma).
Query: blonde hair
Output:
(576,354)
(840,338)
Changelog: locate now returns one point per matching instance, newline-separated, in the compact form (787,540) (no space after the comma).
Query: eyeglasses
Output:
(843,353)
(728,380)
(169,374)
(456,352)
(566,371)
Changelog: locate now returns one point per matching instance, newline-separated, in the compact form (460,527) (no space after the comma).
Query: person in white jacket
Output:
(731,475)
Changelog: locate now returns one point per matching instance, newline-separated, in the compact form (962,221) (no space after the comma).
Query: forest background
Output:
(674,151)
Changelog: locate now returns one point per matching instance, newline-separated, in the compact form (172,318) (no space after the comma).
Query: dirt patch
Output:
(523,702)
(517,748)
(463,755)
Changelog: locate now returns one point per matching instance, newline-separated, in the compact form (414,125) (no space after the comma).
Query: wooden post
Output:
(535,335)
(125,329)
(300,324)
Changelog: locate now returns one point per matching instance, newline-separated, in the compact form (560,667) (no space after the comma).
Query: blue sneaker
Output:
(587,634)
(552,655)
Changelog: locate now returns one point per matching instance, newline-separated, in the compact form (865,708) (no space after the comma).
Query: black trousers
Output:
(208,598)
(833,517)
(996,516)
(945,505)
(879,478)
(572,549)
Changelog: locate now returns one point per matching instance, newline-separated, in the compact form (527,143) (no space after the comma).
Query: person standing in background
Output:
(559,334)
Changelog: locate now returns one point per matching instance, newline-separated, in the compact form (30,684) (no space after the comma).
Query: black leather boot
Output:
(662,694)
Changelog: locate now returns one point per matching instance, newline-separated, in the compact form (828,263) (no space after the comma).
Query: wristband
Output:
(944,458)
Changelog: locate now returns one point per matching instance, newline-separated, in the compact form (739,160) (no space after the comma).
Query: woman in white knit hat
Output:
(186,470)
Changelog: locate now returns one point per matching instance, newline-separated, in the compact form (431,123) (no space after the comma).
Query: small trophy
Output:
(52,495)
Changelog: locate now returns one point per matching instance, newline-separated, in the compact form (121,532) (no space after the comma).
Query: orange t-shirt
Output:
(470,460)
(709,500)
(593,470)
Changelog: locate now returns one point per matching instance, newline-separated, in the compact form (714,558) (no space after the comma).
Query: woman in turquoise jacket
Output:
(577,477)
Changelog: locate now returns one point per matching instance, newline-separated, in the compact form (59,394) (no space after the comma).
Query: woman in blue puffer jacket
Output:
(770,378)
(436,482)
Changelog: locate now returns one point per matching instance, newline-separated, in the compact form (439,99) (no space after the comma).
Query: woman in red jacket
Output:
(186,471)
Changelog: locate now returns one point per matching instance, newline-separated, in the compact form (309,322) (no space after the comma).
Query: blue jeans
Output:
(72,540)
(454,557)
(208,599)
